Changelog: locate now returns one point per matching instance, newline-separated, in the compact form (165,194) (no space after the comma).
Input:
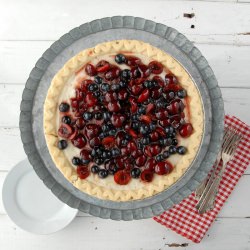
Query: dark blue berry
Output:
(142,110)
(140,145)
(165,154)
(124,142)
(64,107)
(103,173)
(106,116)
(105,127)
(127,137)
(112,132)
(152,126)
(99,161)
(145,140)
(95,169)
(182,93)
(115,152)
(144,129)
(135,117)
(135,125)
(93,87)
(76,161)
(123,84)
(98,115)
(172,135)
(87,116)
(174,141)
(105,87)
(159,157)
(125,74)
(181,150)
(106,155)
(98,79)
(148,84)
(103,134)
(66,120)
(120,58)
(62,144)
(169,129)
(115,87)
(172,150)
(135,173)
(97,93)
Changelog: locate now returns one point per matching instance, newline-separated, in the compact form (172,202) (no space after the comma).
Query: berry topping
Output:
(62,144)
(120,58)
(135,173)
(103,173)
(86,156)
(122,177)
(76,161)
(82,172)
(65,131)
(186,130)
(181,150)
(163,168)
(102,66)
(155,67)
(147,175)
(79,141)
(64,107)
(95,169)
(90,69)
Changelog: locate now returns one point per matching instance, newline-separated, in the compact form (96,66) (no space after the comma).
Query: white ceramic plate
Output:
(31,205)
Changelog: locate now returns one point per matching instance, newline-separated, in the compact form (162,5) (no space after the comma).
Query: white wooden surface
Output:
(222,33)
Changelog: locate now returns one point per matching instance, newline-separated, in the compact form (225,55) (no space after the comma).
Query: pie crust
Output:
(106,188)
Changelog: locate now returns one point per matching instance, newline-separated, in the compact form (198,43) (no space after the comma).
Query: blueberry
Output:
(169,96)
(98,115)
(169,129)
(112,132)
(105,87)
(142,110)
(115,152)
(95,169)
(64,107)
(93,87)
(106,155)
(76,161)
(165,141)
(120,58)
(113,169)
(135,125)
(85,161)
(103,173)
(135,173)
(160,104)
(105,127)
(124,142)
(98,79)
(145,140)
(97,93)
(165,154)
(182,93)
(66,120)
(87,116)
(172,150)
(135,117)
(62,144)
(140,145)
(159,157)
(172,135)
(127,137)
(181,150)
(96,152)
(103,134)
(106,116)
(115,87)
(174,141)
(123,84)
(125,74)
(144,129)
(99,161)
(148,84)
(152,126)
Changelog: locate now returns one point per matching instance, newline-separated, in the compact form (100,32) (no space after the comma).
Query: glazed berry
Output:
(159,157)
(87,116)
(85,156)
(103,173)
(135,73)
(96,152)
(66,120)
(106,116)
(165,141)
(62,144)
(144,129)
(79,141)
(141,160)
(112,74)
(82,172)
(106,155)
(169,130)
(92,130)
(65,131)
(152,150)
(98,79)
(105,87)
(125,74)
(64,107)
(102,66)
(97,94)
(95,169)
(147,175)
(172,150)
(186,130)
(115,152)
(76,161)
(143,96)
(99,161)
(135,125)
(93,87)
(90,69)
(135,173)
(156,67)
(122,177)
(182,93)
(166,154)
(145,140)
(123,84)
(115,87)
(174,142)
(163,168)
(148,84)
(181,150)
(112,132)
(98,116)
(170,79)
(120,58)
(142,110)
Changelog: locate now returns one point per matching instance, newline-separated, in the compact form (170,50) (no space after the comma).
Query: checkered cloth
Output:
(183,218)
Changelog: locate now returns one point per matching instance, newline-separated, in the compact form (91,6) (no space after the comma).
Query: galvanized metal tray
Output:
(88,35)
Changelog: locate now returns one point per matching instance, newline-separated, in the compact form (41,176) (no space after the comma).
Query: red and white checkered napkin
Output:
(183,218)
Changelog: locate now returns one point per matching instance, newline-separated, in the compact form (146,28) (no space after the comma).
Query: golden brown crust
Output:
(103,191)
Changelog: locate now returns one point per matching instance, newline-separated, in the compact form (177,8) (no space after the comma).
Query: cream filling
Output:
(71,151)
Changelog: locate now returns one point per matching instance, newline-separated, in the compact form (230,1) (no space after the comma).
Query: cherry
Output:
(90,99)
(161,131)
(132,133)
(145,118)
(159,81)
(136,153)
(150,165)
(186,130)
(137,89)
(74,104)
(140,161)
(161,114)
(156,93)
(114,106)
(94,142)
(152,150)
(133,61)
(84,85)
(147,175)
(108,141)
(175,107)
(102,66)
(65,131)
(133,104)
(170,79)
(112,74)
(122,95)
(150,108)
(131,146)
(79,94)
(143,96)
(145,70)
(90,69)
(79,141)
(118,120)
(86,156)
(73,135)
(80,123)
(124,151)
(163,168)
(156,67)
(122,177)
(82,172)
(135,72)
(154,136)
(92,130)
(120,162)
(164,123)
(110,96)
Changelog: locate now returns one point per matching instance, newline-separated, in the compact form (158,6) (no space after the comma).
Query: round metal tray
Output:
(88,35)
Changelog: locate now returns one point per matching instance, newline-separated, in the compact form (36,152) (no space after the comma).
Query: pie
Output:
(123,120)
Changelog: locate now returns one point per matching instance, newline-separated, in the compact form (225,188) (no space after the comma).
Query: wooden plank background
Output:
(222,33)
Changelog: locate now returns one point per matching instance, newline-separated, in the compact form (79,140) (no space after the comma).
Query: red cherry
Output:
(133,61)
(150,165)
(133,107)
(152,150)
(112,74)
(74,104)
(124,151)
(172,87)
(122,94)
(147,175)
(92,130)
(82,172)
(65,131)
(161,114)
(137,89)
(145,70)
(110,96)
(122,177)
(159,80)
(186,130)
(84,85)
(102,66)
(154,136)
(86,156)
(161,131)
(156,92)
(79,94)
(164,123)
(175,107)
(143,96)
(136,153)
(170,79)
(140,161)
(90,100)
(119,137)
(176,120)
(90,69)
(79,141)
(131,146)
(132,133)
(156,67)
(150,107)
(163,168)
(118,120)
(114,106)
(74,134)
(145,118)
(120,162)
(94,142)
(80,123)
(108,141)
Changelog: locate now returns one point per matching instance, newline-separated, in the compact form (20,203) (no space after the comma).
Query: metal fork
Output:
(229,148)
